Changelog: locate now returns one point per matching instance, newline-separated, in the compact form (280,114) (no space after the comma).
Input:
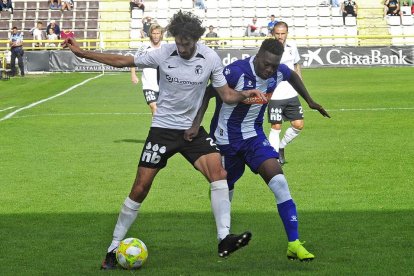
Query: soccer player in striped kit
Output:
(238,131)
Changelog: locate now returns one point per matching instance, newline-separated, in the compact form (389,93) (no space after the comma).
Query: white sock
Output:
(290,134)
(127,216)
(274,138)
(279,186)
(231,195)
(220,204)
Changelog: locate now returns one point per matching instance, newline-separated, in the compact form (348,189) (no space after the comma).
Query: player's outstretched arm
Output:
(231,96)
(299,86)
(110,59)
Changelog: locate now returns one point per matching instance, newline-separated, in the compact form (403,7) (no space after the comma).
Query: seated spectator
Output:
(349,7)
(146,24)
(200,4)
(67,5)
(253,29)
(405,8)
(391,7)
(55,4)
(51,36)
(271,24)
(211,33)
(6,5)
(335,3)
(38,34)
(66,34)
(55,28)
(136,4)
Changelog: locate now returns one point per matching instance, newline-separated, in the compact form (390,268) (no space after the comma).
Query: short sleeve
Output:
(232,74)
(217,77)
(286,72)
(148,59)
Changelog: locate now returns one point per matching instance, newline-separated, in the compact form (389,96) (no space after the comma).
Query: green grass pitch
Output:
(68,163)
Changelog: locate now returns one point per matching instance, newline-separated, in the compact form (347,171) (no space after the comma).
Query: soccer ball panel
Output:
(132,253)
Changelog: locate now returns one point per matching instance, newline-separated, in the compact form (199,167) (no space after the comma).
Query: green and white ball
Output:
(132,253)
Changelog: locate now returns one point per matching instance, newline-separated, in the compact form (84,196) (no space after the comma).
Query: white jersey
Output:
(290,57)
(149,75)
(182,82)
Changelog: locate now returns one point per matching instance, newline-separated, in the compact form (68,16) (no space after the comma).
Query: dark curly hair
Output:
(186,25)
(273,46)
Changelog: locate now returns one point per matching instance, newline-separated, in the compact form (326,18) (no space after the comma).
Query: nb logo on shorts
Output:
(152,153)
(276,114)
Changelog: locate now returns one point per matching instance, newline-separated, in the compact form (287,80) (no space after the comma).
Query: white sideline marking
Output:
(1,110)
(8,116)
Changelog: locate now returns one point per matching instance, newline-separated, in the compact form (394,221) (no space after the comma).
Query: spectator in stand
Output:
(405,8)
(55,4)
(16,45)
(67,5)
(211,33)
(38,34)
(349,7)
(6,5)
(51,36)
(253,29)
(412,9)
(67,34)
(55,28)
(146,24)
(139,4)
(200,4)
(335,3)
(391,7)
(271,24)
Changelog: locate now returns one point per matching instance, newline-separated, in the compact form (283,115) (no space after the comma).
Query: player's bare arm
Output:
(298,85)
(231,96)
(109,59)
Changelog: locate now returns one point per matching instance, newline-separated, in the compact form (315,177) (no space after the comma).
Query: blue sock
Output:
(287,212)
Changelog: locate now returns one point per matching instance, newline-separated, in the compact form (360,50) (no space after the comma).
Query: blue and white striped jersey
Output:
(235,122)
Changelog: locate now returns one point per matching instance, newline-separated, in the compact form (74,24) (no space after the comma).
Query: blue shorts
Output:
(251,152)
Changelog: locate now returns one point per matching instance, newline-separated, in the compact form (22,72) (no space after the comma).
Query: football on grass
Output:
(132,253)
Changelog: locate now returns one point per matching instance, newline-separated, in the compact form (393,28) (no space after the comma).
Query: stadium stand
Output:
(311,24)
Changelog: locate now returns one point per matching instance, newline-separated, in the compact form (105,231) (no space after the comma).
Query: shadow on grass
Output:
(130,141)
(185,244)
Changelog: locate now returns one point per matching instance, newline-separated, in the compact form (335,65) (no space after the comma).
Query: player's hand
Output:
(318,107)
(135,80)
(73,45)
(254,96)
(190,133)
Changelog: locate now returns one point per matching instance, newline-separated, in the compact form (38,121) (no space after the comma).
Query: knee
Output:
(219,174)
(299,124)
(139,192)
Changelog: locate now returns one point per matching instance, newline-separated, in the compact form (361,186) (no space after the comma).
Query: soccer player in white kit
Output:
(185,69)
(284,104)
(150,75)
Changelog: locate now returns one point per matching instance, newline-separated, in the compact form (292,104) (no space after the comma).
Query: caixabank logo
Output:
(353,57)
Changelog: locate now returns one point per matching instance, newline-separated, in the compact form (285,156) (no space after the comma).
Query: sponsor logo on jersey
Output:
(178,81)
(152,153)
